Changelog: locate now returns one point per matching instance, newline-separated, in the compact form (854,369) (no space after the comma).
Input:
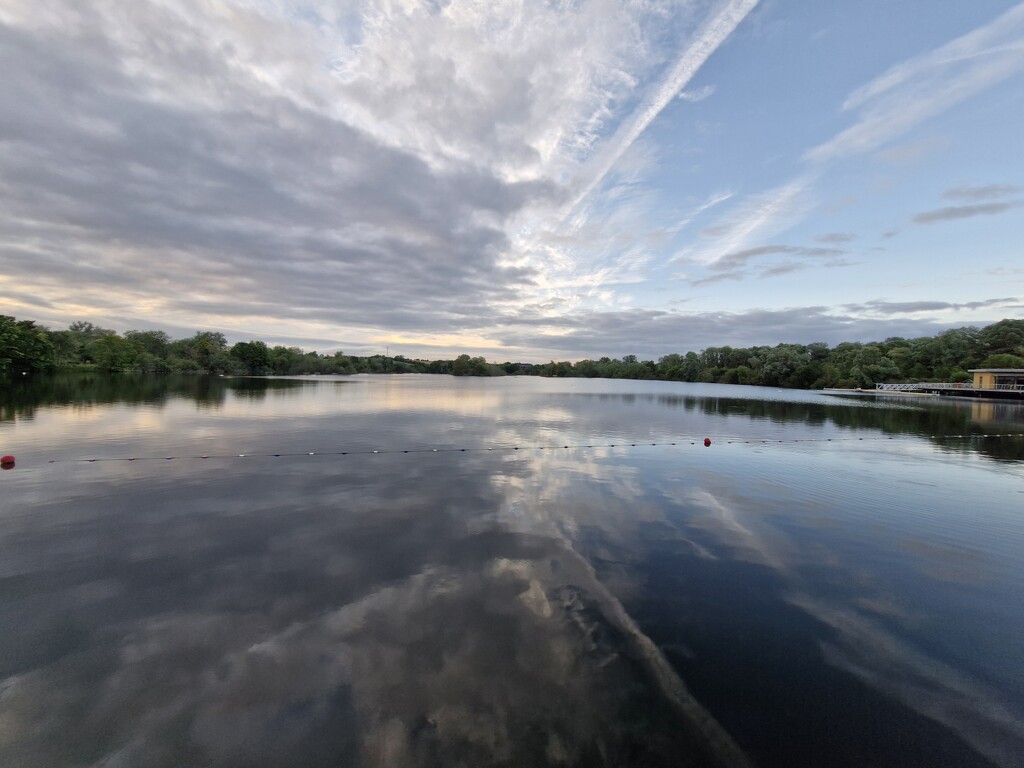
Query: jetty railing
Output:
(915,387)
(942,385)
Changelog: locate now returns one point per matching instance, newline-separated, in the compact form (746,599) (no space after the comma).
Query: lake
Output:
(570,578)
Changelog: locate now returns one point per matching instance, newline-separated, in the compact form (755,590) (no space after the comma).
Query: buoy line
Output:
(9,461)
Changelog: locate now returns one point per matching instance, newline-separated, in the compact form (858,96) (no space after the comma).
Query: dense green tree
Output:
(464,365)
(81,339)
(205,351)
(66,350)
(24,346)
(253,355)
(113,353)
(90,331)
(778,366)
(690,368)
(154,343)
(960,347)
(1004,337)
(944,357)
(1002,361)
(284,360)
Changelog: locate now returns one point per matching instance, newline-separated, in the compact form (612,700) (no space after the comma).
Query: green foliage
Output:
(24,346)
(113,353)
(1004,337)
(1002,361)
(945,357)
(254,355)
(154,343)
(464,365)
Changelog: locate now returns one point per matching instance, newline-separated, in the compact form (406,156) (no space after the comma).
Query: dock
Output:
(989,384)
(953,389)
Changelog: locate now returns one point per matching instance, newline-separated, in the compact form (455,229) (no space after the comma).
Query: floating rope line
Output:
(707,442)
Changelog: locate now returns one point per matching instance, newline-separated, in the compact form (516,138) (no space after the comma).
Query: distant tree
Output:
(154,343)
(560,369)
(90,331)
(1004,337)
(1002,361)
(207,351)
(253,355)
(24,346)
(944,357)
(959,347)
(903,358)
(66,349)
(285,360)
(778,366)
(870,367)
(689,370)
(113,353)
(82,337)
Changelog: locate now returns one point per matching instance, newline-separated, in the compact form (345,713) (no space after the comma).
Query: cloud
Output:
(330,174)
(951,213)
(714,199)
(986,192)
(698,95)
(738,265)
(651,333)
(128,187)
(704,43)
(759,216)
(880,307)
(836,237)
(741,258)
(341,176)
(913,152)
(887,107)
(925,86)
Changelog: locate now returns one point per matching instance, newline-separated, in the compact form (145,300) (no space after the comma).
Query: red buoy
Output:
(707,442)
(6,462)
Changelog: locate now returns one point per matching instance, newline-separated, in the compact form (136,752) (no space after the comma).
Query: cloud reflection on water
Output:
(603,508)
(359,621)
(530,607)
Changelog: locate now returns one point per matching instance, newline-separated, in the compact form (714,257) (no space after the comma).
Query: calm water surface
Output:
(833,582)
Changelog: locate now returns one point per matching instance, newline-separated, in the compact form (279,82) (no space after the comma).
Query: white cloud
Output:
(753,220)
(889,106)
(346,172)
(334,170)
(705,42)
(698,95)
(925,86)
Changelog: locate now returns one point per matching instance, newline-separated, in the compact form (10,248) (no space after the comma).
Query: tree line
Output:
(26,347)
(947,356)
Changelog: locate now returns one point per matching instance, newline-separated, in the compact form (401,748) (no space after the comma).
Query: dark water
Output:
(853,602)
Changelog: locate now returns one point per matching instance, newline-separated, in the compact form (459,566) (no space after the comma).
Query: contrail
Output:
(707,40)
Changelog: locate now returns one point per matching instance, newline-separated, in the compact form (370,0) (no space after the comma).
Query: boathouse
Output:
(998,378)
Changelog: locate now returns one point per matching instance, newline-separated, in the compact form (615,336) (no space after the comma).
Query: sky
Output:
(518,179)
